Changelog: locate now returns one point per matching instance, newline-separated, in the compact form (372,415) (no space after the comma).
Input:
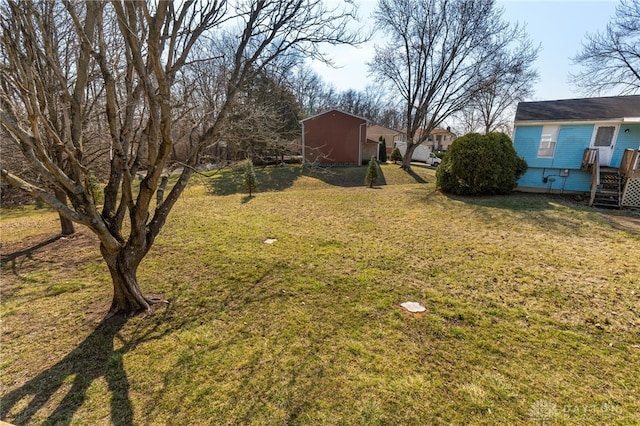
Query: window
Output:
(548,141)
(604,136)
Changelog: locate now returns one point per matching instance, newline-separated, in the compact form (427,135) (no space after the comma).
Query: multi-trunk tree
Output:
(133,72)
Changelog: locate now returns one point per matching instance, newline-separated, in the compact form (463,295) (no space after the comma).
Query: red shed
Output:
(335,137)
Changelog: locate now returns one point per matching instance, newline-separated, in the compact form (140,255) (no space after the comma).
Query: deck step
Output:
(609,192)
(607,199)
(606,203)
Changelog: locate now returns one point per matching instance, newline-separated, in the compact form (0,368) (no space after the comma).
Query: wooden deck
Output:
(614,187)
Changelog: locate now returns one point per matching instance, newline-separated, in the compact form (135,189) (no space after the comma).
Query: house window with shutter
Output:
(548,141)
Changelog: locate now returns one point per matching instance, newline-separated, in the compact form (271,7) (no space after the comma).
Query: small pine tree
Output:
(372,172)
(396,155)
(382,153)
(249,178)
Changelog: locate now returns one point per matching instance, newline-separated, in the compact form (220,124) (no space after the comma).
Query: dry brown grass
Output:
(533,312)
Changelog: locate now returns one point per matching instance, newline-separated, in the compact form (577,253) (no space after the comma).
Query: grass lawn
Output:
(532,311)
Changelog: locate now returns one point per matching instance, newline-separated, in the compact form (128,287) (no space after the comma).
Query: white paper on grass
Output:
(270,240)
(413,307)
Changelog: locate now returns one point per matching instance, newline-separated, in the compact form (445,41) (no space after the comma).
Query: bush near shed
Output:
(478,164)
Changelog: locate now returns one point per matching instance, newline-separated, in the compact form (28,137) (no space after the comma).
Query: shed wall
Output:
(334,138)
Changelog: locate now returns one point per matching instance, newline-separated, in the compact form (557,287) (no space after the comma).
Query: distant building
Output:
(390,135)
(335,137)
(441,138)
(438,140)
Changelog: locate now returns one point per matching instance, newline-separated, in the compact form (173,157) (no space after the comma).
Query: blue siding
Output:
(572,141)
(629,140)
(576,181)
(526,140)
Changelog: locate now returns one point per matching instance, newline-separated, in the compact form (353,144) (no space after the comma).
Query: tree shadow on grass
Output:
(414,175)
(344,176)
(269,179)
(230,181)
(94,358)
(540,210)
(28,252)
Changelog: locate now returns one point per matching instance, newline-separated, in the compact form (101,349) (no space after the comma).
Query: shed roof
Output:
(333,110)
(606,108)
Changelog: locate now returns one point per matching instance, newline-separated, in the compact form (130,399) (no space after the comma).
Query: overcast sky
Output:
(559,26)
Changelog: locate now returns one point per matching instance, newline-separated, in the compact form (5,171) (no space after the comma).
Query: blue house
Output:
(582,145)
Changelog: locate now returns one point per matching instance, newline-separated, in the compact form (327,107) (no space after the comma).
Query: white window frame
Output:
(548,141)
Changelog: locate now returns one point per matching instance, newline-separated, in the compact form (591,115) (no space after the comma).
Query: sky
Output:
(558,26)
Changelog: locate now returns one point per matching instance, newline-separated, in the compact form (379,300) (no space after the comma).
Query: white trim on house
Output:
(332,110)
(548,141)
(524,123)
(360,142)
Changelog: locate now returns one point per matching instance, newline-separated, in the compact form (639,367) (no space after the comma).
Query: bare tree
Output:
(369,103)
(509,80)
(435,57)
(266,120)
(60,54)
(468,120)
(611,60)
(313,94)
(138,52)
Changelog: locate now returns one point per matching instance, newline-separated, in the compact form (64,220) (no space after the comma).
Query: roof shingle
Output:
(580,109)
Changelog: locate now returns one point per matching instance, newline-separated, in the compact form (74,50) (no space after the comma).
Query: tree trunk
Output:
(406,160)
(66,225)
(127,296)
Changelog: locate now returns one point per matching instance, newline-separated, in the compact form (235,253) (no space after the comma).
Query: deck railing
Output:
(589,158)
(630,163)
(591,162)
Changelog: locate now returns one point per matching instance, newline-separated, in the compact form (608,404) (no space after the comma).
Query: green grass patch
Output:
(64,287)
(229,180)
(531,311)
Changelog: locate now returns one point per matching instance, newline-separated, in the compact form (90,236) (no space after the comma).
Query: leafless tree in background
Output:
(56,63)
(509,79)
(436,58)
(611,59)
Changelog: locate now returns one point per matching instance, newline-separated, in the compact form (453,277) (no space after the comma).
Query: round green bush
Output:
(478,164)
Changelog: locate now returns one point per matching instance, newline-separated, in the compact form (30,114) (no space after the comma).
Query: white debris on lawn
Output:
(270,240)
(413,307)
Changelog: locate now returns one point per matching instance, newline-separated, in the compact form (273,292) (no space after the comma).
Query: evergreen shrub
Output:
(478,164)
